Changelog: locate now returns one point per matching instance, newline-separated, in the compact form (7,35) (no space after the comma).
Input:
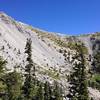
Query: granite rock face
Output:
(51,52)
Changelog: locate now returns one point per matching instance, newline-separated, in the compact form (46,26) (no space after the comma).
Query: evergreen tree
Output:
(29,72)
(40,94)
(13,81)
(78,84)
(96,62)
(51,93)
(83,91)
(46,91)
(74,82)
(57,92)
(2,67)
(2,73)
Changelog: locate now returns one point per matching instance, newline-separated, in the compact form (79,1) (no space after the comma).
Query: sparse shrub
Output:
(60,51)
(94,82)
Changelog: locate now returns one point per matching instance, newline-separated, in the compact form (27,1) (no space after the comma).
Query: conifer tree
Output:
(78,84)
(2,66)
(74,83)
(96,62)
(29,72)
(46,91)
(13,81)
(51,92)
(2,73)
(57,92)
(40,94)
(83,91)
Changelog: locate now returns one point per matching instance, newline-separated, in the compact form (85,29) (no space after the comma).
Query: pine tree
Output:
(13,81)
(29,72)
(40,94)
(57,92)
(46,91)
(74,82)
(78,84)
(51,92)
(2,73)
(96,62)
(2,66)
(83,91)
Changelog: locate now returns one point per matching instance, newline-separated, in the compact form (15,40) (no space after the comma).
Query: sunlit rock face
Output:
(52,53)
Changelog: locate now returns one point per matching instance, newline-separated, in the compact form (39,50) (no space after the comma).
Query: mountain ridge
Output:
(52,53)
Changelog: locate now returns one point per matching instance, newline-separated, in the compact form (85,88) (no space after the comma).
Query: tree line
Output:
(17,86)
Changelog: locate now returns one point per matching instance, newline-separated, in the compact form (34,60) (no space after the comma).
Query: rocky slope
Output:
(52,53)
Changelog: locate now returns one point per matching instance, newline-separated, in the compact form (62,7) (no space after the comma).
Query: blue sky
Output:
(64,16)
